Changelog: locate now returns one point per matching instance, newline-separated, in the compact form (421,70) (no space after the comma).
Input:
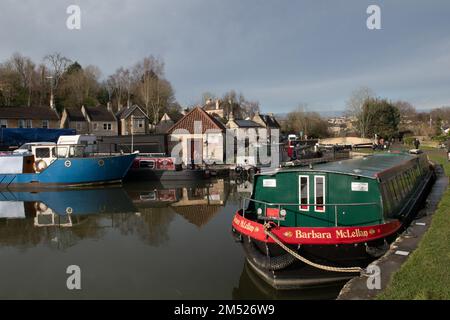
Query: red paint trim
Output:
(322,235)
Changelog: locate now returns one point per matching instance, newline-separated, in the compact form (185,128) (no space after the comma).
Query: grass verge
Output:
(426,274)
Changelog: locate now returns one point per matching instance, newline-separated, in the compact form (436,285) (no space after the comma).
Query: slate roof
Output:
(32,113)
(247,124)
(126,112)
(270,121)
(197,114)
(370,166)
(75,114)
(100,113)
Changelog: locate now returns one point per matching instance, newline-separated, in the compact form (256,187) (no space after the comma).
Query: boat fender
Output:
(39,165)
(266,262)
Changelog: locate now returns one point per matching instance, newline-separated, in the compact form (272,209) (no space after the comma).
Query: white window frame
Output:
(46,122)
(95,126)
(300,192)
(3,123)
(140,123)
(21,123)
(323,193)
(29,123)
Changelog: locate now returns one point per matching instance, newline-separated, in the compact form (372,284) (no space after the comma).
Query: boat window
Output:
(404,188)
(42,152)
(319,193)
(405,182)
(304,193)
(147,164)
(387,198)
(395,190)
(409,180)
(400,186)
(62,151)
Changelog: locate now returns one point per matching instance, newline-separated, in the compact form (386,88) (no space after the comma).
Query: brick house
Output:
(132,120)
(29,117)
(268,122)
(198,137)
(73,118)
(101,120)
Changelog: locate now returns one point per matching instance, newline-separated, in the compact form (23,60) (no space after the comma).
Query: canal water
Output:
(139,241)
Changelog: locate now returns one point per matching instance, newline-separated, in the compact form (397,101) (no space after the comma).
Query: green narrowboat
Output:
(334,216)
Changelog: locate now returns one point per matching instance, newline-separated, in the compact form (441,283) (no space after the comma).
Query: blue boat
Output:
(63,207)
(48,164)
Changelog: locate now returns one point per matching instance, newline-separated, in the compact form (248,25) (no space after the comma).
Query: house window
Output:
(45,124)
(3,123)
(107,126)
(95,126)
(21,123)
(319,193)
(304,192)
(29,123)
(139,123)
(79,126)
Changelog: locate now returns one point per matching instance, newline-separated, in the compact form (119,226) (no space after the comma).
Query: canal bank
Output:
(407,273)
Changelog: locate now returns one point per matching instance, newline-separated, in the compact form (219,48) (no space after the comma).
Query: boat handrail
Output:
(244,200)
(307,204)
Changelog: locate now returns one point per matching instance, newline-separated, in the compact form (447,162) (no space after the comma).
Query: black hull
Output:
(166,175)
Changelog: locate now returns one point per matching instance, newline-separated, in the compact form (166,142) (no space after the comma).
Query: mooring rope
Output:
(267,227)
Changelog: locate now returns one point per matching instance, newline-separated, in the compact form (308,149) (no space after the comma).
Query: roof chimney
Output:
(108,106)
(217,104)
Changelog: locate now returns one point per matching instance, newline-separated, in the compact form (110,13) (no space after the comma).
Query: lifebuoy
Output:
(39,165)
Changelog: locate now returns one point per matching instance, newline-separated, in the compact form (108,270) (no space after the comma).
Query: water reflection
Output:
(146,240)
(251,286)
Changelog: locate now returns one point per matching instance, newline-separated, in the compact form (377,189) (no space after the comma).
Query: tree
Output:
(25,68)
(406,110)
(58,65)
(153,90)
(310,124)
(80,86)
(355,108)
(385,118)
(239,105)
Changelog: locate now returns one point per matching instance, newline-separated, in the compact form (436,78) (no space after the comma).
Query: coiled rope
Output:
(267,228)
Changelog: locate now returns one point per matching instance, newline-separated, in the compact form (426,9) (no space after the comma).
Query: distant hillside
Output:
(325,114)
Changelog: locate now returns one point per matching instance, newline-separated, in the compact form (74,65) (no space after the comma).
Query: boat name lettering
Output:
(299,234)
(357,233)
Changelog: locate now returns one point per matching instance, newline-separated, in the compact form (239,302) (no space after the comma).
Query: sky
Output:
(278,52)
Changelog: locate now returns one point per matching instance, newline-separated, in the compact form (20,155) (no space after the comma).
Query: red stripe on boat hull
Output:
(319,236)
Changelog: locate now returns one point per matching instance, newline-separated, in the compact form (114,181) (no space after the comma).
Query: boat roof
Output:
(370,166)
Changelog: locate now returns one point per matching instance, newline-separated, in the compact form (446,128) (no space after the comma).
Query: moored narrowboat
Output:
(162,168)
(52,165)
(333,216)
